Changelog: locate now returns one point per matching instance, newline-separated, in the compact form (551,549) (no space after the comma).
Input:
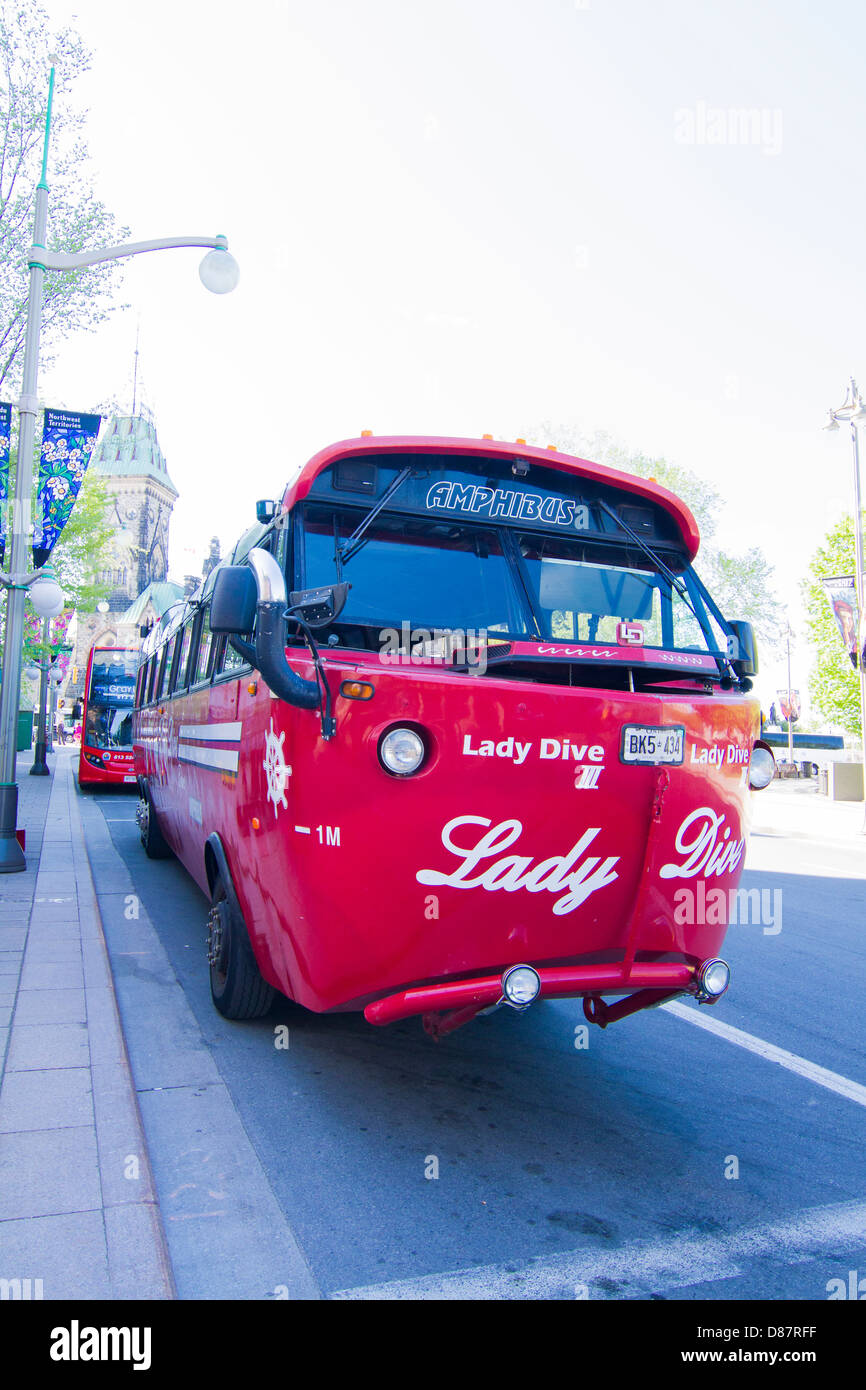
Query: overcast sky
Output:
(466,217)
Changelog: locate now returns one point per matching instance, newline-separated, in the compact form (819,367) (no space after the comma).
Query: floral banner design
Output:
(67,443)
(5,436)
(842,597)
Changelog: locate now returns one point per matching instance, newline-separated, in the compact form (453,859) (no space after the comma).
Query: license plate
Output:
(130,779)
(643,743)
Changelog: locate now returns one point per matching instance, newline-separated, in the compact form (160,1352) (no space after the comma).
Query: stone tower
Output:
(142,495)
(129,458)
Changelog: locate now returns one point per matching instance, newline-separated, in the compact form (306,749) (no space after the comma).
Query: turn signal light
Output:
(357,690)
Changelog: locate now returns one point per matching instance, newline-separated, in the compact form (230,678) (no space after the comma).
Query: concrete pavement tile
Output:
(103,1028)
(51,1006)
(52,882)
(137,1258)
(123,1164)
(11,965)
(97,971)
(53,950)
(48,1046)
(48,1171)
(12,938)
(68,1253)
(7,996)
(65,975)
(54,931)
(5,1015)
(59,1099)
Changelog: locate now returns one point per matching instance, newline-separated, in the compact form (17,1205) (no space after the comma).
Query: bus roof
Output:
(300,486)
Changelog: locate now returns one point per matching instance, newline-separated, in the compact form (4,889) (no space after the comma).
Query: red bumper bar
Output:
(565,981)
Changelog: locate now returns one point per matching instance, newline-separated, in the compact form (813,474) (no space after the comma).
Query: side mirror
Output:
(743,649)
(319,607)
(234,599)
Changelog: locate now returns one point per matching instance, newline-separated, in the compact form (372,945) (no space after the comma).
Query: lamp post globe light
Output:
(853,413)
(219,273)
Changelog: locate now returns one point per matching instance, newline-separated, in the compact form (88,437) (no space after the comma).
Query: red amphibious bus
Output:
(457,726)
(106,717)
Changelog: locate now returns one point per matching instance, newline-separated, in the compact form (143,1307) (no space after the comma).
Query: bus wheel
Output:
(236,984)
(153,842)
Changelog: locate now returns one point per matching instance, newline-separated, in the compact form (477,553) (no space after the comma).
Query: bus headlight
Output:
(520,985)
(401,752)
(762,767)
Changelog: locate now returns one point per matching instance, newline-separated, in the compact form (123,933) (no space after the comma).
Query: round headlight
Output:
(762,767)
(402,752)
(714,977)
(520,985)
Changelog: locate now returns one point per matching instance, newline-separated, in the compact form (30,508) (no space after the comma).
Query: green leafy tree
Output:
(741,584)
(834,686)
(73,300)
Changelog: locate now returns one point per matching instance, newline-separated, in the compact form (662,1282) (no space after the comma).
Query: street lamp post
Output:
(853,412)
(219,273)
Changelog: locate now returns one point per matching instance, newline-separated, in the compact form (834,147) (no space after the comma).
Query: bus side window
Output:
(140,686)
(160,682)
(203,653)
(151,671)
(179,672)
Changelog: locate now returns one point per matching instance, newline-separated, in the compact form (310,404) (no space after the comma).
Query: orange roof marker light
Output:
(365,434)
(487,436)
(553,447)
(520,441)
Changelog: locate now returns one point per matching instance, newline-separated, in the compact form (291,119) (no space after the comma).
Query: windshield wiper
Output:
(353,543)
(663,569)
(647,550)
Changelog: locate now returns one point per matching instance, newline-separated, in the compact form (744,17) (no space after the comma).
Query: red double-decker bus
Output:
(457,726)
(106,718)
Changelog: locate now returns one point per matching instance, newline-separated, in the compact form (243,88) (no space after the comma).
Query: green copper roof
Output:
(161,595)
(129,448)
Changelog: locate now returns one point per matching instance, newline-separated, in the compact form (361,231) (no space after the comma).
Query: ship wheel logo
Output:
(277,770)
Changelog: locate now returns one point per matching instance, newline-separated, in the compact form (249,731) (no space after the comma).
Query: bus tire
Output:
(152,839)
(236,984)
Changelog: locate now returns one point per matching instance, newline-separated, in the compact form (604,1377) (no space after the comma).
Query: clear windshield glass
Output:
(430,575)
(109,701)
(590,594)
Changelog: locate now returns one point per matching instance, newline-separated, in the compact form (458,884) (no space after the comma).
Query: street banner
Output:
(842,597)
(5,436)
(789,704)
(67,443)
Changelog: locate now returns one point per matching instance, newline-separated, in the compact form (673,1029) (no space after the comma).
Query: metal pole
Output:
(12,858)
(861,595)
(790,706)
(40,767)
(52,706)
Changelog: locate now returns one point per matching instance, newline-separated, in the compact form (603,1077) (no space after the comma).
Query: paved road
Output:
(562,1171)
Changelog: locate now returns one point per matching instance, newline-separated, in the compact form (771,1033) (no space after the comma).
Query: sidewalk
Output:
(78,1212)
(797,809)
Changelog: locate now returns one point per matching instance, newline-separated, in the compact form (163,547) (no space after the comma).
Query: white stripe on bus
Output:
(215,733)
(221,759)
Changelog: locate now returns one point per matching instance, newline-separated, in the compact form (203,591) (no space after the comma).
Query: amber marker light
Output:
(252,687)
(255,823)
(365,434)
(357,690)
(487,436)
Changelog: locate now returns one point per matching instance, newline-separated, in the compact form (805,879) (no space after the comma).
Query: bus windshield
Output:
(453,576)
(110,696)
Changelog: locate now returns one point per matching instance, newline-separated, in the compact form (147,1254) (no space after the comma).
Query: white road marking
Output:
(842,1085)
(640,1268)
